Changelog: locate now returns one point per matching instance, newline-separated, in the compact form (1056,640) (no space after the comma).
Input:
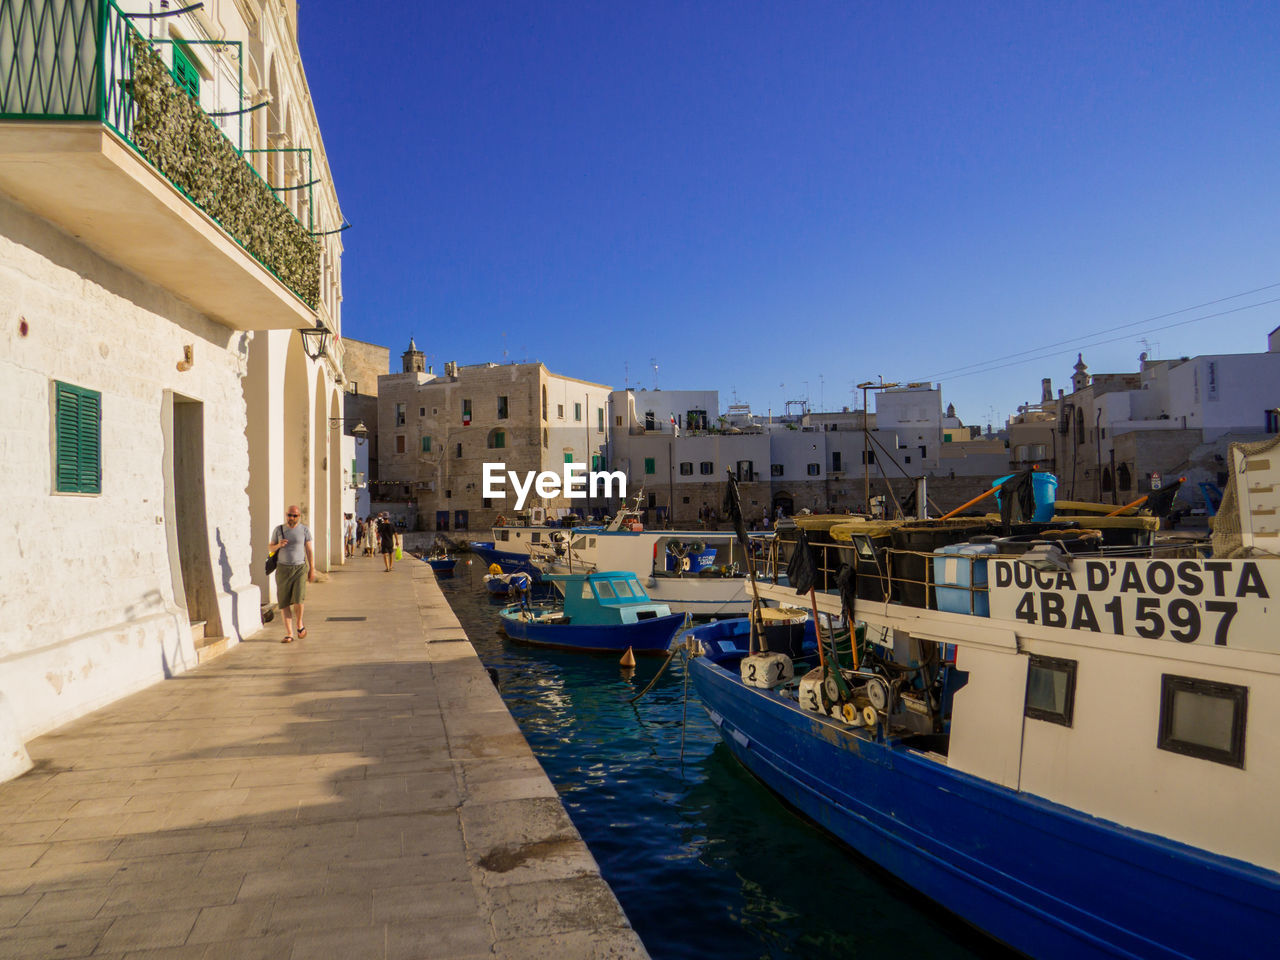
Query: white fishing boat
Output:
(1072,746)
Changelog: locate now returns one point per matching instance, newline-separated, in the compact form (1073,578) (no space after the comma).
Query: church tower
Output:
(1080,379)
(415,361)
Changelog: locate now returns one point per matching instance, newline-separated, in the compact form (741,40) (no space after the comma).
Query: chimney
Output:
(1046,390)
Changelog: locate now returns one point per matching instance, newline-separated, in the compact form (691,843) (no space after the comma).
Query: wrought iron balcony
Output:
(98,137)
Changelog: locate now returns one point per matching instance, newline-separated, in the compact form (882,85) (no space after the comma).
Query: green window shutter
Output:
(568,458)
(426,444)
(649,466)
(78,439)
(185,73)
(595,461)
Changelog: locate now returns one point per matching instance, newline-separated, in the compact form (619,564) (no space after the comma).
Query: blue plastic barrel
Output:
(1045,487)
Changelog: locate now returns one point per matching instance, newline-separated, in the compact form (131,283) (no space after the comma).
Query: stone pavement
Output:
(361,793)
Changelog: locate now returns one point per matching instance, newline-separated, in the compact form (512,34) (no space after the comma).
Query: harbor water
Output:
(705,861)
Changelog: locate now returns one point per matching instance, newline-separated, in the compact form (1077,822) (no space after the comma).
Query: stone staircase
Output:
(207,648)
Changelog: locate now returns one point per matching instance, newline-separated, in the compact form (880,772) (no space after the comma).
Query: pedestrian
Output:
(295,568)
(386,540)
(349,531)
(370,535)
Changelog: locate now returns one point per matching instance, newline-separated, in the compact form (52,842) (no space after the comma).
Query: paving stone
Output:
(363,794)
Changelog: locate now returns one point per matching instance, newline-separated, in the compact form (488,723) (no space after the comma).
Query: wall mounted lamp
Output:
(359,431)
(314,340)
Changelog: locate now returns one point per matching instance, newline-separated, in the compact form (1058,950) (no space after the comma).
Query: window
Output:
(1124,479)
(400,414)
(649,466)
(77,440)
(746,470)
(422,411)
(577,413)
(399,443)
(1106,479)
(1079,425)
(184,71)
(546,438)
(497,439)
(706,468)
(544,402)
(502,408)
(617,420)
(835,461)
(906,459)
(599,419)
(775,469)
(653,500)
(1051,689)
(649,420)
(458,451)
(868,457)
(595,461)
(1203,719)
(813,469)
(923,453)
(695,419)
(466,413)
(426,444)
(686,468)
(560,410)
(568,457)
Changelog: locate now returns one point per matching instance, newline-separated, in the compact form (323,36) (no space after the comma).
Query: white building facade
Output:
(163,410)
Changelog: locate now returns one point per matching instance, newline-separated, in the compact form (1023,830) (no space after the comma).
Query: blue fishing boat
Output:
(501,584)
(509,561)
(443,565)
(1070,764)
(605,612)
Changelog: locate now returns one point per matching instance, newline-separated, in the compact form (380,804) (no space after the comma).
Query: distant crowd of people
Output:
(372,535)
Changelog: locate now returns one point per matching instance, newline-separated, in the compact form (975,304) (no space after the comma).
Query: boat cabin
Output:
(610,597)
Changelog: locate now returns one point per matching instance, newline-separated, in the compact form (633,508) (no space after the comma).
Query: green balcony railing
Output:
(63,60)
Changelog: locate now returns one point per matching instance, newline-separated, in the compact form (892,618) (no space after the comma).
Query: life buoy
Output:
(501,521)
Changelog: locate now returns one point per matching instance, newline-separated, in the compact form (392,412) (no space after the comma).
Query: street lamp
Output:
(314,340)
(359,431)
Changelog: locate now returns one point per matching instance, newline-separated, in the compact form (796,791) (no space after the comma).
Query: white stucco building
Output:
(153,286)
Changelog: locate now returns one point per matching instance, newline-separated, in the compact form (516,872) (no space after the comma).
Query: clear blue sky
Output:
(785,199)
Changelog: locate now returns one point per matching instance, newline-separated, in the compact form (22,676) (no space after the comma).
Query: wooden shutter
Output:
(77,439)
(185,73)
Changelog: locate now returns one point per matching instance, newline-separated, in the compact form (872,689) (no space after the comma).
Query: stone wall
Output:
(92,607)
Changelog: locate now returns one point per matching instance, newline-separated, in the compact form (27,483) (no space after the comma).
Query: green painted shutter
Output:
(185,73)
(426,444)
(649,465)
(77,441)
(568,458)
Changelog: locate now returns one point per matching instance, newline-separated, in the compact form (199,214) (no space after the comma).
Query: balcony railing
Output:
(82,60)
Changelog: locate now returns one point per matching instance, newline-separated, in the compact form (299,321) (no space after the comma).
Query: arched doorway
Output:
(784,501)
(336,499)
(320,465)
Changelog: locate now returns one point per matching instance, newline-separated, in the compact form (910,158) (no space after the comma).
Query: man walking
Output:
(295,568)
(386,539)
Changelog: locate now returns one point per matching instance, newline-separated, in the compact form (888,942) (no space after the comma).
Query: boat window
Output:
(591,542)
(586,590)
(1203,719)
(622,588)
(503,535)
(1051,689)
(637,591)
(604,589)
(535,537)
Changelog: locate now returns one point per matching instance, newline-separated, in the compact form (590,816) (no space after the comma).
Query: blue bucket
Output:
(1045,487)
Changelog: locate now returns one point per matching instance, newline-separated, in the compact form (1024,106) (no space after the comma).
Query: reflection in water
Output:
(705,861)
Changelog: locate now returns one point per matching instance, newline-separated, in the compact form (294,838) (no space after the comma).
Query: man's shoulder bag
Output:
(272,559)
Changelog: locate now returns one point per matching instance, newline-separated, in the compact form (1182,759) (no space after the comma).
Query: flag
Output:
(733,509)
(802,571)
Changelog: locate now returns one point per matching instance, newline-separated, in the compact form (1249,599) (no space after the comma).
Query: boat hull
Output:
(443,568)
(644,636)
(510,562)
(1045,879)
